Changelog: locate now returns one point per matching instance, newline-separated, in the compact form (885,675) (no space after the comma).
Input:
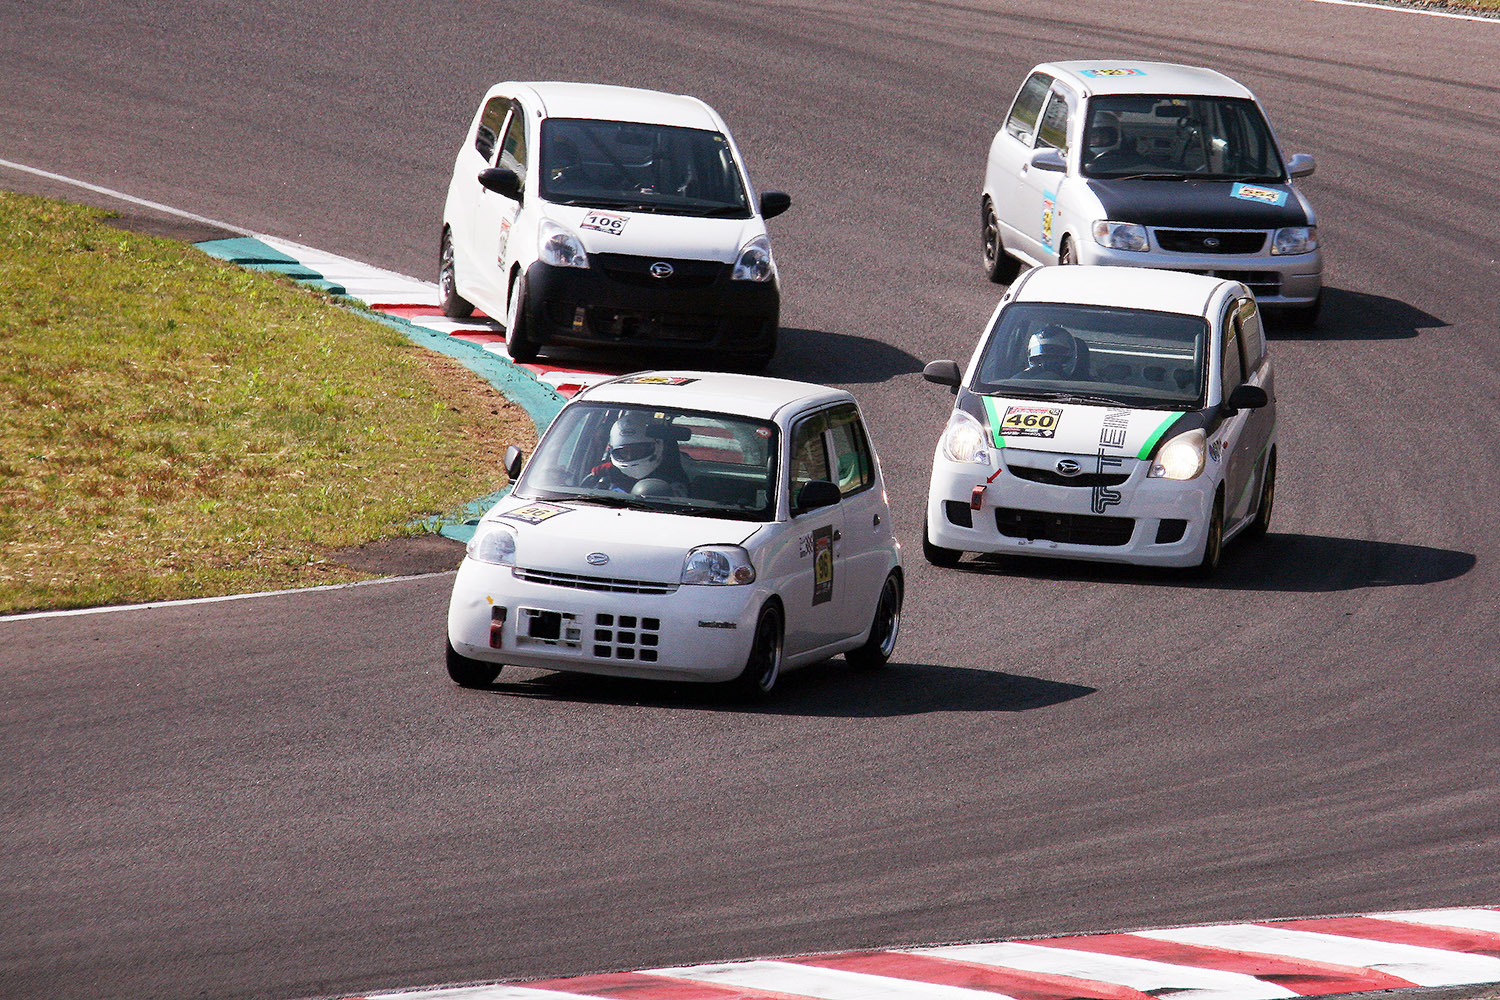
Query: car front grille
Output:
(1068,529)
(601,583)
(633,270)
(627,637)
(1262,283)
(1048,477)
(1210,241)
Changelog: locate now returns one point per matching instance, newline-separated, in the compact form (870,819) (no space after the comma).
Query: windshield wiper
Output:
(615,500)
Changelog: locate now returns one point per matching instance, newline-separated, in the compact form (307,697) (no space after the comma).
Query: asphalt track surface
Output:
(284,797)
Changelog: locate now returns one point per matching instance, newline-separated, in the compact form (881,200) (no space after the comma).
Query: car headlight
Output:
(559,247)
(1121,235)
(493,543)
(1181,457)
(1295,239)
(754,263)
(718,566)
(964,440)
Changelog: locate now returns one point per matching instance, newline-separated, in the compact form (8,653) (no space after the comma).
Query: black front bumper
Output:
(618,301)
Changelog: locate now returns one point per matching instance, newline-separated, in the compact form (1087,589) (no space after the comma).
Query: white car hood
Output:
(639,544)
(1073,428)
(648,234)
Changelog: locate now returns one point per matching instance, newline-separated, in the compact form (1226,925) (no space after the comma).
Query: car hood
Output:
(1201,204)
(1073,428)
(640,545)
(650,234)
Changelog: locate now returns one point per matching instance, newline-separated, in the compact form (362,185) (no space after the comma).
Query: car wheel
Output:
(1066,255)
(518,343)
(884,629)
(763,667)
(455,306)
(468,672)
(1262,522)
(936,554)
(1213,545)
(999,266)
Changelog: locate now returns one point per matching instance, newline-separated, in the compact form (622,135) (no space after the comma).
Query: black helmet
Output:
(1052,348)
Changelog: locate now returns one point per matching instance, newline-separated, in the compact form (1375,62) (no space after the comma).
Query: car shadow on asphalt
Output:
(831,689)
(1282,562)
(1351,315)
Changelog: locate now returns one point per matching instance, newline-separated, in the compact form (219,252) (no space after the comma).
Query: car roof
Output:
(1125,287)
(611,103)
(1137,76)
(754,396)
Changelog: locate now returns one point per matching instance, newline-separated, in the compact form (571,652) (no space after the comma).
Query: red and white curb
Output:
(1250,961)
(415,301)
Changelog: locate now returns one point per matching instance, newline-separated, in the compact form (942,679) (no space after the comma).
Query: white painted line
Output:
(1423,966)
(498,991)
(78,612)
(111,192)
(1410,10)
(826,984)
(442,324)
(365,277)
(1473,920)
(1181,981)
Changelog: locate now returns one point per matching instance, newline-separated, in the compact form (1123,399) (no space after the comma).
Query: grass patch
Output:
(176,426)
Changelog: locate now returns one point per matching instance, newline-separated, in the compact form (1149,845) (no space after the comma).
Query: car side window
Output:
(1252,335)
(491,121)
(1028,107)
(1053,130)
(1233,371)
(513,149)
(851,451)
(809,454)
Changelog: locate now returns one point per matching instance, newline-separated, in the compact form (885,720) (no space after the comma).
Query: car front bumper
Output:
(1276,279)
(1157,522)
(692,633)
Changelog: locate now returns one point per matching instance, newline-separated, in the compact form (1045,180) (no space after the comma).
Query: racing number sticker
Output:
(1266,196)
(1030,421)
(604,222)
(657,380)
(1113,71)
(822,539)
(535,513)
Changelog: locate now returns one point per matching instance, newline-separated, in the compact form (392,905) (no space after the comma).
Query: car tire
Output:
(937,555)
(999,266)
(455,306)
(1213,545)
(885,628)
(1267,504)
(1066,255)
(518,342)
(467,672)
(763,665)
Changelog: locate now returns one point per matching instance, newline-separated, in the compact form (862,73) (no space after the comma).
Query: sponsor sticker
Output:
(1112,434)
(1112,71)
(1030,421)
(822,539)
(1264,195)
(1049,212)
(535,513)
(604,222)
(657,380)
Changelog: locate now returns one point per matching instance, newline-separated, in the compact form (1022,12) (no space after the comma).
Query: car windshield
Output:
(1188,138)
(656,458)
(1091,354)
(641,168)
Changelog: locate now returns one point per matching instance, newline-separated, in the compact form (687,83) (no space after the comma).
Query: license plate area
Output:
(544,627)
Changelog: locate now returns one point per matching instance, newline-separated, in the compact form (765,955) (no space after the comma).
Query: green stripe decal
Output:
(1145,451)
(994,414)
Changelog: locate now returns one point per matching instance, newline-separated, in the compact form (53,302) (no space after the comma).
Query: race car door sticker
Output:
(503,242)
(1264,195)
(1049,212)
(604,222)
(822,540)
(1111,439)
(1030,421)
(535,513)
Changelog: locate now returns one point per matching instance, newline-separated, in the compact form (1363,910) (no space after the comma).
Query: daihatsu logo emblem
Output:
(661,269)
(1068,467)
(1210,241)
(596,559)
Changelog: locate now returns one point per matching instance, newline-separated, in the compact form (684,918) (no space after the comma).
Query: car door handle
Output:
(875,521)
(837,534)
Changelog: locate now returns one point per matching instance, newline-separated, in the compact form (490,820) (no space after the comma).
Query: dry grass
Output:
(179,427)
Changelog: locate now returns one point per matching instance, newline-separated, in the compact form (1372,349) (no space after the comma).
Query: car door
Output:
(1037,194)
(862,554)
(1260,424)
(495,214)
(814,581)
(1229,444)
(464,199)
(1009,152)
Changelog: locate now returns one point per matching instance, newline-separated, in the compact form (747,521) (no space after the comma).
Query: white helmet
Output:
(635,445)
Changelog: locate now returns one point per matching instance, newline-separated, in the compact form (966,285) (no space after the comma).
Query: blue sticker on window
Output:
(1264,195)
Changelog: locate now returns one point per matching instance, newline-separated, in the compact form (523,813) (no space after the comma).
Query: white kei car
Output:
(687,526)
(1146,164)
(585,215)
(1109,414)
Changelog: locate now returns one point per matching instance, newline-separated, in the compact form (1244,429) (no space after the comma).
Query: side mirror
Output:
(501,180)
(773,203)
(942,373)
(1302,165)
(1247,397)
(816,494)
(1049,159)
(513,460)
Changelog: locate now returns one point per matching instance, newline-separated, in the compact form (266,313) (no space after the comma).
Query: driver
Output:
(640,459)
(1052,352)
